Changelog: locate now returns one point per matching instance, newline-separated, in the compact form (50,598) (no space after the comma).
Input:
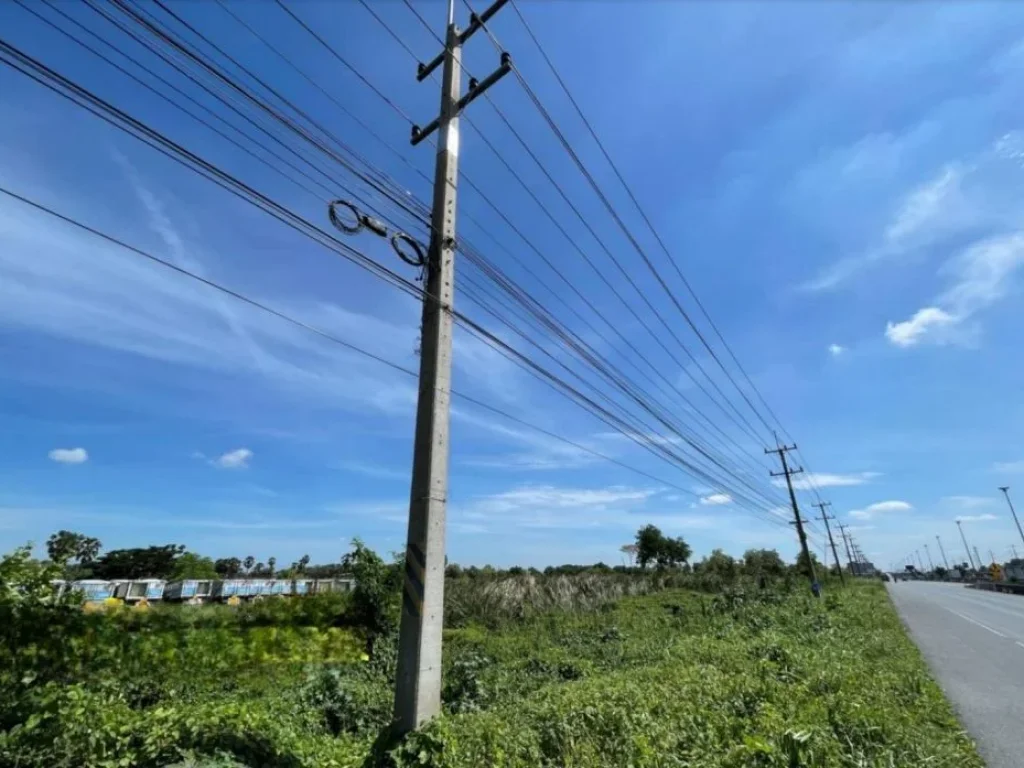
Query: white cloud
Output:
(930,322)
(1009,467)
(716,499)
(236,459)
(977,518)
(809,480)
(836,349)
(69,455)
(879,508)
(978,277)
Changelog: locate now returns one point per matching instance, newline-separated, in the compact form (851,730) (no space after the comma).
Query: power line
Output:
(545,210)
(672,260)
(330,337)
(116,117)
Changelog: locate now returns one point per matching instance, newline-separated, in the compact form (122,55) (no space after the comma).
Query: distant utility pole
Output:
(944,560)
(1006,492)
(418,680)
(919,562)
(929,553)
(846,545)
(832,542)
(969,557)
(781,450)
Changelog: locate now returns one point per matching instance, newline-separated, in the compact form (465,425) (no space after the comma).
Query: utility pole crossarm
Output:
(476,87)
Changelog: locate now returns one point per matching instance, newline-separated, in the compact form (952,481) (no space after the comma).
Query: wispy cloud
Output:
(809,480)
(69,455)
(1009,467)
(556,507)
(924,214)
(836,350)
(72,287)
(369,469)
(968,502)
(880,508)
(977,518)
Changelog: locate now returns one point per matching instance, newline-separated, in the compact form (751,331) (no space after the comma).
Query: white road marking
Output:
(977,623)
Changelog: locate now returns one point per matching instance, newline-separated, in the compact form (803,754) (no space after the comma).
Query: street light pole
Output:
(969,555)
(1006,492)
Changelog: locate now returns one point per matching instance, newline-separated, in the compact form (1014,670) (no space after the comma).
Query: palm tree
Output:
(629,550)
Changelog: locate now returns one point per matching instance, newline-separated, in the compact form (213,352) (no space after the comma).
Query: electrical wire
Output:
(21,62)
(546,212)
(330,337)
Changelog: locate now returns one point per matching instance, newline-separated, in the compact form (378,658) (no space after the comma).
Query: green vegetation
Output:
(674,666)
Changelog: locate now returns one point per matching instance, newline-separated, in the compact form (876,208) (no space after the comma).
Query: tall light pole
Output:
(969,555)
(943,551)
(1006,492)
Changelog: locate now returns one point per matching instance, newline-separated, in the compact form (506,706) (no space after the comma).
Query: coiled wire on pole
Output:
(408,249)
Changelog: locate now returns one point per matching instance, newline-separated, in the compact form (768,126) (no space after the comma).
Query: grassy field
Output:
(671,678)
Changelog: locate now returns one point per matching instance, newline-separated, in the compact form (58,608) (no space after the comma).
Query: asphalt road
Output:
(974,644)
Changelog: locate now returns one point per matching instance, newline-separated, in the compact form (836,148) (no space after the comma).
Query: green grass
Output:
(684,680)
(668,679)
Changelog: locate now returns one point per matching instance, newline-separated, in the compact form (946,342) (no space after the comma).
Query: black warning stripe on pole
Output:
(409,604)
(412,595)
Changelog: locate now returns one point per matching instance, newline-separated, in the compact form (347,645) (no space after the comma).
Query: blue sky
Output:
(840,184)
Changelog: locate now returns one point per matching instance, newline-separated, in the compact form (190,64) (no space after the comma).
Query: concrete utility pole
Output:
(944,560)
(969,557)
(1006,492)
(832,542)
(846,545)
(418,680)
(797,520)
(929,553)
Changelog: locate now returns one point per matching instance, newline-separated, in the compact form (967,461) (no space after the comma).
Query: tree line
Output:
(79,557)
